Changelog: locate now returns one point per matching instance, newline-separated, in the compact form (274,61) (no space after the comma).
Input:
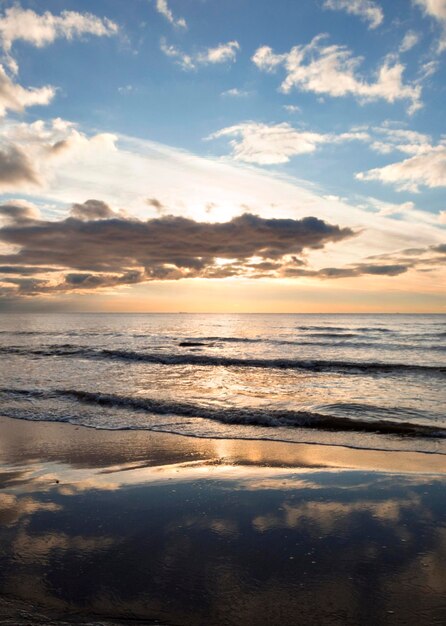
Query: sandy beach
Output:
(124,527)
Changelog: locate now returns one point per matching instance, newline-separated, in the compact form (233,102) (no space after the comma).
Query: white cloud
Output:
(163,8)
(292,108)
(410,40)
(388,139)
(30,153)
(41,30)
(390,208)
(126,89)
(223,53)
(133,170)
(425,169)
(428,69)
(426,165)
(442,217)
(220,54)
(437,10)
(270,144)
(332,70)
(367,10)
(236,93)
(14,97)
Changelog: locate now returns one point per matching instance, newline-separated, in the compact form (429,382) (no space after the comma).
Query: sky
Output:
(223,156)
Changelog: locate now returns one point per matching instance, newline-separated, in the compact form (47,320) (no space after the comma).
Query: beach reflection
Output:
(205,533)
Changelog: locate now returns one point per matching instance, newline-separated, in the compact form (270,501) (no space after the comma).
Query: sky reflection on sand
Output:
(214,537)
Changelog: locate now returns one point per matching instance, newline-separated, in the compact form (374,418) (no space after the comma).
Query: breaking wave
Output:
(252,416)
(193,359)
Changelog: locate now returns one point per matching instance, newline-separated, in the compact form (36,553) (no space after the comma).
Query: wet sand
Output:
(123,527)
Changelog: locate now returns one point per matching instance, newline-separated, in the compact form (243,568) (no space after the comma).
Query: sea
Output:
(363,381)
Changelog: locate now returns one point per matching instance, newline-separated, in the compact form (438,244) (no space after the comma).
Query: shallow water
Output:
(357,380)
(100,527)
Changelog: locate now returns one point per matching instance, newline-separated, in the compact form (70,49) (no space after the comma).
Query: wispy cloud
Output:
(426,169)
(332,70)
(410,40)
(235,92)
(437,10)
(367,10)
(292,108)
(163,8)
(223,53)
(426,165)
(14,97)
(277,143)
(41,30)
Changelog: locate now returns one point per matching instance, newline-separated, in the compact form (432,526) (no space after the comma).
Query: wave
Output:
(193,359)
(214,341)
(286,342)
(241,416)
(342,328)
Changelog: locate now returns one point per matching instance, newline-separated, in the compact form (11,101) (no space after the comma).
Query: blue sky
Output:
(328,108)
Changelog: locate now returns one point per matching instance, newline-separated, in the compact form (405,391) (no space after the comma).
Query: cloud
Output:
(270,144)
(353,271)
(98,248)
(292,108)
(440,248)
(223,53)
(442,217)
(29,153)
(163,8)
(367,10)
(426,165)
(389,139)
(19,24)
(409,41)
(425,258)
(133,171)
(25,270)
(19,212)
(156,204)
(390,208)
(16,169)
(437,10)
(426,169)
(332,70)
(14,97)
(92,210)
(236,93)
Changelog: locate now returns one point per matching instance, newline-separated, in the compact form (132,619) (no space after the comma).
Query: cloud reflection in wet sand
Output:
(205,541)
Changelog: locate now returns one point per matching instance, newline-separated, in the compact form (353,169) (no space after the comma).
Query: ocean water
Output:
(364,381)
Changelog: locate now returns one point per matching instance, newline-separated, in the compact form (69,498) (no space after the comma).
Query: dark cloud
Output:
(16,168)
(382,270)
(114,243)
(94,281)
(156,204)
(18,213)
(98,248)
(27,286)
(92,210)
(359,269)
(24,270)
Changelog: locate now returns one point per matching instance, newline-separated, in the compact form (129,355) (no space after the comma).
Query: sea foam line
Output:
(314,365)
(239,415)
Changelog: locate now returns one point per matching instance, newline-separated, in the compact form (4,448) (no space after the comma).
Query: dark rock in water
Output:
(191,344)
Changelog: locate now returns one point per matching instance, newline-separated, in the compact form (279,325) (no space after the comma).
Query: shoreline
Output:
(121,527)
(267,452)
